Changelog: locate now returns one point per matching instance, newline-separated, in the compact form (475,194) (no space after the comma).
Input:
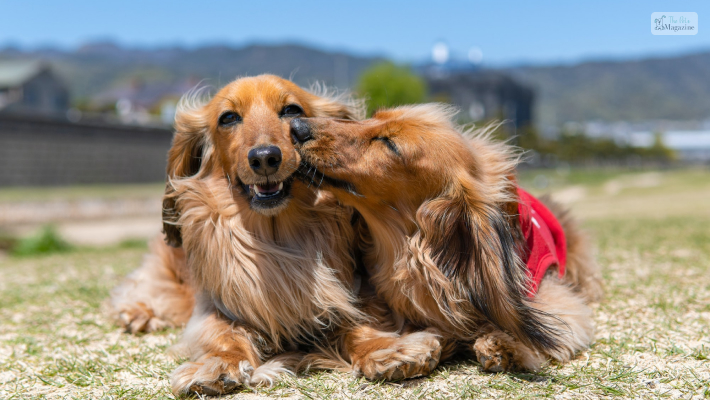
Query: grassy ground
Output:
(653,339)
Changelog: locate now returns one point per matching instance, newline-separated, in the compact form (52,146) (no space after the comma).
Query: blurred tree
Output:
(659,150)
(389,85)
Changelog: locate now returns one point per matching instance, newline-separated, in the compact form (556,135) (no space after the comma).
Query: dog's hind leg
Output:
(582,271)
(497,351)
(157,294)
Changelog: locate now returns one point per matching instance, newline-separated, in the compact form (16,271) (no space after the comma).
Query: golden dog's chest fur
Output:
(286,277)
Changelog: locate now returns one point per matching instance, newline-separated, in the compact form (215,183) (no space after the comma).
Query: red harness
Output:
(546,243)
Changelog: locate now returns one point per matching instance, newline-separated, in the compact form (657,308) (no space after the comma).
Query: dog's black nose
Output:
(265,160)
(300,131)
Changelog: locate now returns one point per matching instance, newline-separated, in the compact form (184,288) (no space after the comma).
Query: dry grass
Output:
(653,327)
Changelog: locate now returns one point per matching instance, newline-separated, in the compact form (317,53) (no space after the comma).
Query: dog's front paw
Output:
(138,317)
(499,352)
(408,356)
(214,375)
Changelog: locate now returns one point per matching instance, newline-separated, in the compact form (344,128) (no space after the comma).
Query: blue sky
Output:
(507,32)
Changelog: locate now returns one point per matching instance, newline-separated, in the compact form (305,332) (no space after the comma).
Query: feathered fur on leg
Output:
(156,295)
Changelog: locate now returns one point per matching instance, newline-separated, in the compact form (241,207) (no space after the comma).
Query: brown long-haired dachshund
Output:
(453,243)
(269,259)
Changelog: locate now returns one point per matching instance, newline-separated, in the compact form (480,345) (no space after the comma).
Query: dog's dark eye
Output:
(229,118)
(291,111)
(389,143)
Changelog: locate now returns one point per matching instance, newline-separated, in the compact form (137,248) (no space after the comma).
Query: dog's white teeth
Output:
(259,194)
(264,192)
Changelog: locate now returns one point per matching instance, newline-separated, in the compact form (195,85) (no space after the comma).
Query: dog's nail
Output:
(210,391)
(202,389)
(397,375)
(495,368)
(433,363)
(229,384)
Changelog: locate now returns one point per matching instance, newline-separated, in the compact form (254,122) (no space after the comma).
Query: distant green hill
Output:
(657,88)
(97,67)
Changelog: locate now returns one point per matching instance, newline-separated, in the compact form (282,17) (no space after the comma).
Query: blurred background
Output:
(88,93)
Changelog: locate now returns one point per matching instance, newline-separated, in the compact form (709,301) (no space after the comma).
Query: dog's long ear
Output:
(185,159)
(475,247)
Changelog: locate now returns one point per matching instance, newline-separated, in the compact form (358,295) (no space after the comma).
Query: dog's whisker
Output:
(229,179)
(315,171)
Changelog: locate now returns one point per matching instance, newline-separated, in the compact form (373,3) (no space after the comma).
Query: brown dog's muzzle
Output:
(311,170)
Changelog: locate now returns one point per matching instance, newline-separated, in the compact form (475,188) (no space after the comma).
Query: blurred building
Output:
(44,142)
(483,95)
(31,87)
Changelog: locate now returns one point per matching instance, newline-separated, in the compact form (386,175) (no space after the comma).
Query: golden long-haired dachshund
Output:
(454,245)
(270,261)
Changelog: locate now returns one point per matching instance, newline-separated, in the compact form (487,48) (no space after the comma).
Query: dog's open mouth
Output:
(313,177)
(269,197)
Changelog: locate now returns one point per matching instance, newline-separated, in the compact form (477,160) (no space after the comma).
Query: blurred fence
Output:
(36,151)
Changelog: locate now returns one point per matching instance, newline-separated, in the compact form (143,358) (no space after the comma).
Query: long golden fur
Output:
(157,295)
(444,243)
(269,259)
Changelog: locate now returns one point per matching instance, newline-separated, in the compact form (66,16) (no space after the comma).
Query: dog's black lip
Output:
(311,175)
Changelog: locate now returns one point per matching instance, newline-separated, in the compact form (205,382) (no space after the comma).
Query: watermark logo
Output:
(674,23)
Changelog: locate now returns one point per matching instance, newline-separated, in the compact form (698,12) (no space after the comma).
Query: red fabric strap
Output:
(546,243)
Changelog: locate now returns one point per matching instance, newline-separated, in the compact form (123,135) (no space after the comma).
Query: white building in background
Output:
(689,139)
